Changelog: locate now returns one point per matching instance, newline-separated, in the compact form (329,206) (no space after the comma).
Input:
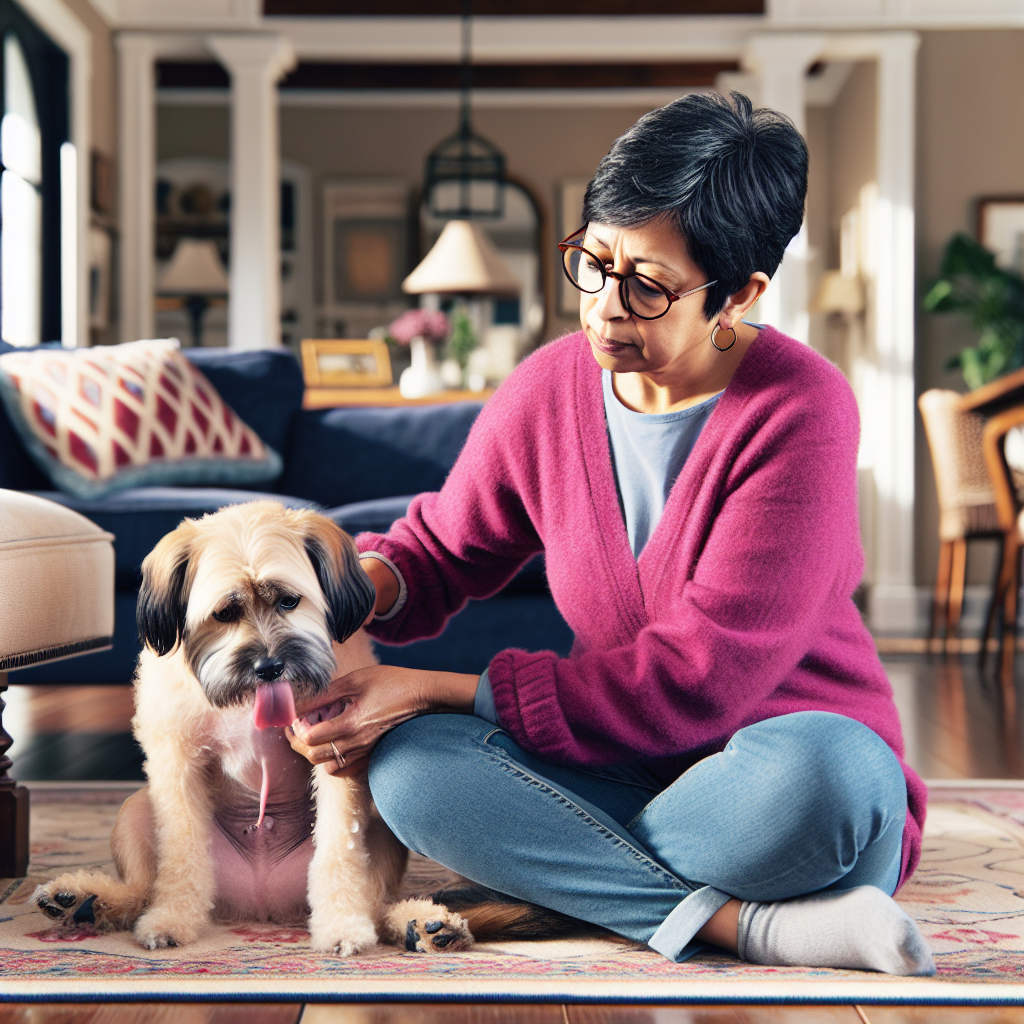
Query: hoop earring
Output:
(718,327)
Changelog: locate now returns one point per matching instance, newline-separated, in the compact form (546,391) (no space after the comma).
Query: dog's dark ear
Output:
(350,594)
(160,612)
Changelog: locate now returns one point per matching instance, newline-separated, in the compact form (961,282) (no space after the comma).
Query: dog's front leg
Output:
(185,886)
(343,903)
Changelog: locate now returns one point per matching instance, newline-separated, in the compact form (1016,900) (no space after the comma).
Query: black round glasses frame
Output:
(567,244)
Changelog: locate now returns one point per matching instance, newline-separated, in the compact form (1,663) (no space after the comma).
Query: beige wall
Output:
(543,146)
(103,112)
(841,140)
(192,131)
(970,144)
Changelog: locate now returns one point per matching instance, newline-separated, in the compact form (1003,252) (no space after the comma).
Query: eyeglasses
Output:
(641,295)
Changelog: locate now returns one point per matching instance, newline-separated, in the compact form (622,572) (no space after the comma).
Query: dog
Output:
(241,612)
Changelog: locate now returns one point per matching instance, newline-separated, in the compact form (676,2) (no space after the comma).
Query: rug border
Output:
(922,991)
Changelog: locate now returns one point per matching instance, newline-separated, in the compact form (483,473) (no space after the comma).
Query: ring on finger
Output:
(340,758)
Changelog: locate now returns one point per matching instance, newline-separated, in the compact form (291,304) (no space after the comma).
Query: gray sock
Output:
(860,929)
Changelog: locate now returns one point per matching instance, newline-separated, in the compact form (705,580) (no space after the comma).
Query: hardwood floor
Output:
(954,728)
(492,1013)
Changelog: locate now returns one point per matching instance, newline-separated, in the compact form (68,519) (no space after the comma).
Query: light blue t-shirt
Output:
(648,452)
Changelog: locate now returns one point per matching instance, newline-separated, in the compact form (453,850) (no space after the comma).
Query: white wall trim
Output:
(780,61)
(64,28)
(137,148)
(256,62)
(895,298)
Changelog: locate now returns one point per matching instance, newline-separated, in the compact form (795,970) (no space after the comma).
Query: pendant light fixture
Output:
(465,174)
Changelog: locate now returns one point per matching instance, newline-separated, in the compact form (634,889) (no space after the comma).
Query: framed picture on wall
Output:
(1001,229)
(366,240)
(344,363)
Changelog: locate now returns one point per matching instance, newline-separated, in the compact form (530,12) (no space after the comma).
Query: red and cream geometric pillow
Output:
(101,419)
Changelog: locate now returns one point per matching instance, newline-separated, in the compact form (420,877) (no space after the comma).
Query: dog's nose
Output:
(268,669)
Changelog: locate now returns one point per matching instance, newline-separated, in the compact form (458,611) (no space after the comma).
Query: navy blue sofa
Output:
(361,466)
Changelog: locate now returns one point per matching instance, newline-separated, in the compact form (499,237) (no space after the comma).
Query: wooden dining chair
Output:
(967,504)
(1008,485)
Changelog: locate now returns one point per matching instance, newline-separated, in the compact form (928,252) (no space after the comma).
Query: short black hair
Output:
(733,180)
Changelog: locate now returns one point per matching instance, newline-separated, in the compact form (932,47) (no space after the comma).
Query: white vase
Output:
(422,377)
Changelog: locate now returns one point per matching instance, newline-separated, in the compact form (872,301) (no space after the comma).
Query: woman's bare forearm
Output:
(453,691)
(385,582)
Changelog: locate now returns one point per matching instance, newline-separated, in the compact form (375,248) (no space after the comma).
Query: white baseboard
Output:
(906,610)
(895,609)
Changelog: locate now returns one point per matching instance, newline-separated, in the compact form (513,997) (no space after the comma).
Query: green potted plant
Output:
(463,340)
(992,298)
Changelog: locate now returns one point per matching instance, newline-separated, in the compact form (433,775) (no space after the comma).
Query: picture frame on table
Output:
(346,363)
(1001,229)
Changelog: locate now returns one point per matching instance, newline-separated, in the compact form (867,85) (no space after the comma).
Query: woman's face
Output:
(626,344)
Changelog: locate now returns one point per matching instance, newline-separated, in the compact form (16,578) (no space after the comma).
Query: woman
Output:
(720,758)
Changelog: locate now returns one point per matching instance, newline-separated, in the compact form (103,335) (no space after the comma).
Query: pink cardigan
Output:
(738,609)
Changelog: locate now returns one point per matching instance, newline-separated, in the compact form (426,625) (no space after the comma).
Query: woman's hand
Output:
(373,701)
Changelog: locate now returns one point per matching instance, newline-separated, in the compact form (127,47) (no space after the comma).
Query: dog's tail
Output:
(493,915)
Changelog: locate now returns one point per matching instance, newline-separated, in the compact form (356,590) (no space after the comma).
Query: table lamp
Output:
(196,274)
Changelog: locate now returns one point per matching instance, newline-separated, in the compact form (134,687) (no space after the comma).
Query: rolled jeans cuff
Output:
(674,937)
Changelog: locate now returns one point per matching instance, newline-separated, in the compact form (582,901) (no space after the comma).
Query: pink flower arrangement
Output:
(430,324)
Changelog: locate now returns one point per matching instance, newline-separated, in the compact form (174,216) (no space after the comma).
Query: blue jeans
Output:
(791,806)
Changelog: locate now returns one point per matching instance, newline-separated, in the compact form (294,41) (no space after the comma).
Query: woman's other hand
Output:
(368,703)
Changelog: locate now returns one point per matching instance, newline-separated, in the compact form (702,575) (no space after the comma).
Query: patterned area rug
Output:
(968,896)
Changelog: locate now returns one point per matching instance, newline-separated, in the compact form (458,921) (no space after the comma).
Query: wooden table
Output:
(1002,393)
(329,398)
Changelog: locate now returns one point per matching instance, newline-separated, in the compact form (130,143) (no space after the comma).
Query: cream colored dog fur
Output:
(240,611)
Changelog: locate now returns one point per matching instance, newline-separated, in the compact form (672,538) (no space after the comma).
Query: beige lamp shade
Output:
(463,261)
(195,269)
(838,294)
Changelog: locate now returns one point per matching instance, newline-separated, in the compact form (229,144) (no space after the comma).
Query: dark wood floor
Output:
(484,1013)
(954,725)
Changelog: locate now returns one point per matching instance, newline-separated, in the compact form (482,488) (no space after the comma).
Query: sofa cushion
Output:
(17,471)
(139,516)
(340,456)
(56,582)
(97,420)
(265,387)
(377,516)
(374,516)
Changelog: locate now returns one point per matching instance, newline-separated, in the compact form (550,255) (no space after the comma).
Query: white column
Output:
(781,62)
(893,597)
(256,63)
(137,158)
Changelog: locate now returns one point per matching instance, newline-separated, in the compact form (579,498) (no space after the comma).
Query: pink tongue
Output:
(274,705)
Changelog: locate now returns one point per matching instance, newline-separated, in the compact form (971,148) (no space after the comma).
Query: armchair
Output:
(1011,522)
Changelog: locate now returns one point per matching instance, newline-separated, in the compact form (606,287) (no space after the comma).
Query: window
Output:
(33,128)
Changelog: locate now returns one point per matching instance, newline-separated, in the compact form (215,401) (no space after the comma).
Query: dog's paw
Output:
(66,907)
(343,936)
(441,931)
(160,928)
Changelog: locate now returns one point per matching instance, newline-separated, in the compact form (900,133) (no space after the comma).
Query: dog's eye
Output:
(229,614)
(290,602)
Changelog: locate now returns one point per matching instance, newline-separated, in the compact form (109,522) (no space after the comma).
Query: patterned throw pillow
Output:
(101,419)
